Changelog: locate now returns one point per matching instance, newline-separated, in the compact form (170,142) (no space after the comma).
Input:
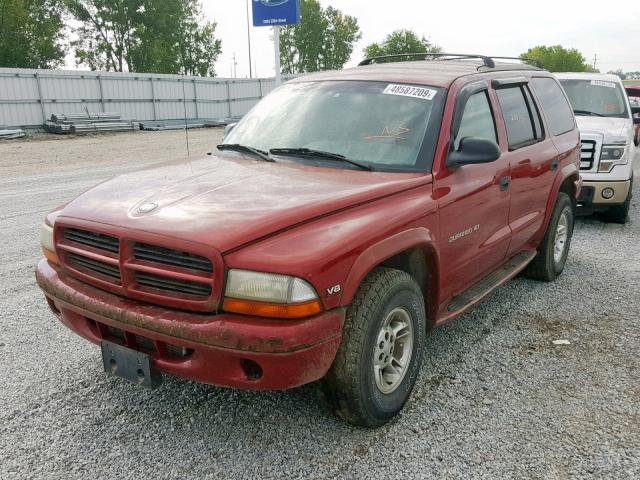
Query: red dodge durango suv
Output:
(344,216)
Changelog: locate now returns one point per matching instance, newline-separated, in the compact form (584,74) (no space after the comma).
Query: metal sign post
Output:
(276,44)
(275,13)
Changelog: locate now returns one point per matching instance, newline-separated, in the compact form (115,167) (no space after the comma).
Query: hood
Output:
(610,128)
(228,201)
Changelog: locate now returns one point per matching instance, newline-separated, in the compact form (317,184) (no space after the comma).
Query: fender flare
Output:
(418,237)
(567,171)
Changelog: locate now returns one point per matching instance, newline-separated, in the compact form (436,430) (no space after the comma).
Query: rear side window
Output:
(554,103)
(521,117)
(477,119)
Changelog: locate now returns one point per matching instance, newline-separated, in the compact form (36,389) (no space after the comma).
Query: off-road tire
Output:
(619,213)
(349,389)
(544,267)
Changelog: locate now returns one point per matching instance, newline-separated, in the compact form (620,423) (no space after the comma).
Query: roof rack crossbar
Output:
(487,60)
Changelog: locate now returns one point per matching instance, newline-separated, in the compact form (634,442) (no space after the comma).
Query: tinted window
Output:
(477,119)
(520,131)
(535,114)
(554,103)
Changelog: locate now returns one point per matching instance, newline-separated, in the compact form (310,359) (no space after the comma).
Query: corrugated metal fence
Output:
(29,97)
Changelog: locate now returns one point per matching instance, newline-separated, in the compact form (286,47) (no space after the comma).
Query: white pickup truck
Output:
(608,138)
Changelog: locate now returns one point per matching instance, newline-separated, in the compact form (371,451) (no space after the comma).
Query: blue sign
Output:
(269,13)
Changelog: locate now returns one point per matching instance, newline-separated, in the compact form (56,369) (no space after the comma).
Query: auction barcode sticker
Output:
(410,91)
(602,83)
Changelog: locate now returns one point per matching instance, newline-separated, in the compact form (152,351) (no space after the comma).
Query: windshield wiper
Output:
(307,152)
(587,112)
(236,147)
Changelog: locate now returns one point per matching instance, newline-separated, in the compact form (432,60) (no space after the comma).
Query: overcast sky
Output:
(610,30)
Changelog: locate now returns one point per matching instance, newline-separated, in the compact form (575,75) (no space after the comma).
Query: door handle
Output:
(554,164)
(504,183)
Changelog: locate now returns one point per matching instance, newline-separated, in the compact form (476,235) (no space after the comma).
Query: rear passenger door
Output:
(473,204)
(533,159)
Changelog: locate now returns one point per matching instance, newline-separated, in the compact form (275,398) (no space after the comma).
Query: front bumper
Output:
(591,192)
(221,349)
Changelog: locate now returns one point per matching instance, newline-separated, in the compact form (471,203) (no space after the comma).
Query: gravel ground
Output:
(495,399)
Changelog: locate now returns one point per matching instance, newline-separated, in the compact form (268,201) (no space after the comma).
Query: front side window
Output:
(517,117)
(383,125)
(477,119)
(600,98)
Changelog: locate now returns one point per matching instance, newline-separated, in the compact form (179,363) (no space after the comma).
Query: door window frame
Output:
(521,83)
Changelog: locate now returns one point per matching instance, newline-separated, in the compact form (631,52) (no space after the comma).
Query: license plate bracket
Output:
(130,364)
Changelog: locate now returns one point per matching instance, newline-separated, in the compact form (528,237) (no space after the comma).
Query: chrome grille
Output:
(83,263)
(167,284)
(92,239)
(587,154)
(175,258)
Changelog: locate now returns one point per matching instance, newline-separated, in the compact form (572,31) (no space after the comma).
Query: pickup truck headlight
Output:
(47,244)
(269,295)
(611,156)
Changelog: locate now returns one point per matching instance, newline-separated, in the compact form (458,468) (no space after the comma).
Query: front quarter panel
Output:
(326,251)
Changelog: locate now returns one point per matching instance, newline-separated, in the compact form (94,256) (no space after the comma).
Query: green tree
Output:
(31,34)
(157,36)
(558,59)
(323,40)
(401,41)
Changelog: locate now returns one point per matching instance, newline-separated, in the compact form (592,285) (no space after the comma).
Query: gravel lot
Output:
(496,398)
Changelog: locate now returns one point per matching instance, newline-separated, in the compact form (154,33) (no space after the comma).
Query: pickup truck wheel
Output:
(381,351)
(620,213)
(554,249)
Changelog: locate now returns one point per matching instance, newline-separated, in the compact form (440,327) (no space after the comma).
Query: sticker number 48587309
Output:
(410,91)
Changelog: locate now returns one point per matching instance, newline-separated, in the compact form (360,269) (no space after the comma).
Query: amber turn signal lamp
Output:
(271,310)
(51,256)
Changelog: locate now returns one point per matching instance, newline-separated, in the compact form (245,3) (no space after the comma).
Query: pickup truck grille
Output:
(92,266)
(587,154)
(92,239)
(175,258)
(173,277)
(168,284)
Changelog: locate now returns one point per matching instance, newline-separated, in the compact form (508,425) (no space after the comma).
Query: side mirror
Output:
(228,128)
(473,150)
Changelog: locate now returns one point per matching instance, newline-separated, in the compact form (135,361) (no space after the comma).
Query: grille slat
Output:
(179,286)
(171,257)
(92,239)
(95,266)
(587,154)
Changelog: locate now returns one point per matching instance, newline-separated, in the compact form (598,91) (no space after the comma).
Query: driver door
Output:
(473,200)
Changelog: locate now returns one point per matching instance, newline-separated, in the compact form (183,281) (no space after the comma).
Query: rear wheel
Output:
(554,249)
(381,351)
(620,213)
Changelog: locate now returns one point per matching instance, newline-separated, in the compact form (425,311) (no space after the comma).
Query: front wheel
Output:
(554,249)
(381,350)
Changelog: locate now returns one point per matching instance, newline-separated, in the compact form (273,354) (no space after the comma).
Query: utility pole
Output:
(595,61)
(235,66)
(249,38)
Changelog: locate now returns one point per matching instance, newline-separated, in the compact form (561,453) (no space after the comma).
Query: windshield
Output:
(378,124)
(600,97)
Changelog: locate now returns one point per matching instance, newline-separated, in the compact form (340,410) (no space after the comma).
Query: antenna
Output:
(184,104)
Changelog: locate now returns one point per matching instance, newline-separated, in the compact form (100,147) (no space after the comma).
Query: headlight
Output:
(47,244)
(269,295)
(610,156)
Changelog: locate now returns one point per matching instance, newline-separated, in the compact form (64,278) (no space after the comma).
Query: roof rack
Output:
(488,61)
